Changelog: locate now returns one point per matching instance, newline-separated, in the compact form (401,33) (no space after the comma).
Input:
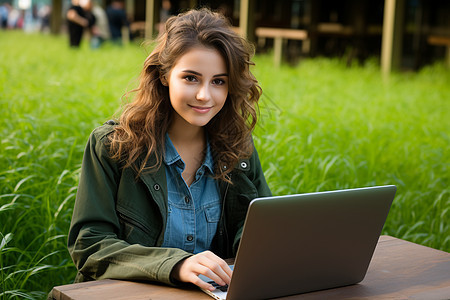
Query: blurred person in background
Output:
(102,33)
(5,8)
(117,19)
(15,18)
(164,14)
(79,18)
(44,14)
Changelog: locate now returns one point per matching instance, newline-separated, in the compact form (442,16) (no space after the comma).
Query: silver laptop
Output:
(301,243)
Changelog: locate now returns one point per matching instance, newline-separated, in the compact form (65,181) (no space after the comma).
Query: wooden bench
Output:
(279,35)
(441,41)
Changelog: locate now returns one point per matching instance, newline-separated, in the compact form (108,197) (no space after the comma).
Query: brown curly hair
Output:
(144,121)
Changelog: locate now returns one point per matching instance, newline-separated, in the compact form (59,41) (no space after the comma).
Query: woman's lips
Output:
(201,109)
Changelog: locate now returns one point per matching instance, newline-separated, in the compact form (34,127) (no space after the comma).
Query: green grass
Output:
(323,126)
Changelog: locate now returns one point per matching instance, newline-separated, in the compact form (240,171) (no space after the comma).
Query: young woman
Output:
(164,191)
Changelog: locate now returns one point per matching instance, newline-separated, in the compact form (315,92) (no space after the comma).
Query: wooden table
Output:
(399,270)
(279,35)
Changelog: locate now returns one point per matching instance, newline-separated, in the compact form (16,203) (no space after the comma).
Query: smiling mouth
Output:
(201,109)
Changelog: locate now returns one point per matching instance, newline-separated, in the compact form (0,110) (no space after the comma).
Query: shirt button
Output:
(187,200)
(190,238)
(157,187)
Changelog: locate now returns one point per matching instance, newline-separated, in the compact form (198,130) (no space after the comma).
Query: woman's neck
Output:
(185,134)
(190,142)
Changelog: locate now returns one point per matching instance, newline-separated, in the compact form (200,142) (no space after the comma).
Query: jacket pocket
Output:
(135,231)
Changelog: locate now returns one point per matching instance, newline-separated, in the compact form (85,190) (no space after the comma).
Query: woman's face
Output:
(198,86)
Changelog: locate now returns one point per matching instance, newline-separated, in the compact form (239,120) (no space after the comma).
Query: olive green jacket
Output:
(119,221)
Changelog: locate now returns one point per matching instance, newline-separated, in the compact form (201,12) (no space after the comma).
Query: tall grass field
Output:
(323,126)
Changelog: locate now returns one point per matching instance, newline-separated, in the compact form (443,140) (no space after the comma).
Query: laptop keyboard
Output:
(222,288)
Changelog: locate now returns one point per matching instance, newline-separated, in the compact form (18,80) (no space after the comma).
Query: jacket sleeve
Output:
(93,240)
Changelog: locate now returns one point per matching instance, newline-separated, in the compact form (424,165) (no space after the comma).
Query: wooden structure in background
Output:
(391,47)
(56,19)
(331,27)
(151,17)
(247,19)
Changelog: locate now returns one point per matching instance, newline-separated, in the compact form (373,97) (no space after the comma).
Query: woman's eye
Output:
(218,81)
(190,78)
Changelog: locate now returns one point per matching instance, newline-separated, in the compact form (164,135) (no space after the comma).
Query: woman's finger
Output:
(200,283)
(203,270)
(217,267)
(220,261)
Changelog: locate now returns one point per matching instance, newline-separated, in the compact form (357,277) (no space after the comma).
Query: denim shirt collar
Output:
(172,157)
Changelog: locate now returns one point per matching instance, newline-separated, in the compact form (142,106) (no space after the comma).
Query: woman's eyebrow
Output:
(199,74)
(220,75)
(192,72)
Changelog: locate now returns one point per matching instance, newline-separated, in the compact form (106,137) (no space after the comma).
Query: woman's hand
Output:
(205,263)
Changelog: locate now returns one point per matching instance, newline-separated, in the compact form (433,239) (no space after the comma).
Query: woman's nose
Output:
(204,93)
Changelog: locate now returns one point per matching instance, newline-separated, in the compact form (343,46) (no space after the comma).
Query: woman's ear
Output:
(164,80)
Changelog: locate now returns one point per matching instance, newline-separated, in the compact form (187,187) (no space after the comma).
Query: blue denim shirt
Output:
(193,212)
